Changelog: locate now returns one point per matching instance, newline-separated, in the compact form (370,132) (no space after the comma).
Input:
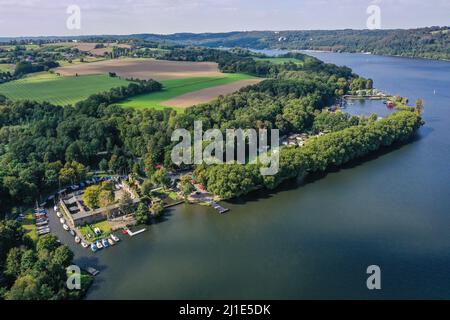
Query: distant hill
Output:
(431,42)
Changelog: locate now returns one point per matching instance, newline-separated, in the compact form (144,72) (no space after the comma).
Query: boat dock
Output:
(218,207)
(41,221)
(132,234)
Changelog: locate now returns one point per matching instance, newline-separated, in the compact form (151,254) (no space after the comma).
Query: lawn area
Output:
(281,60)
(29,225)
(177,87)
(104,226)
(57,89)
(5,67)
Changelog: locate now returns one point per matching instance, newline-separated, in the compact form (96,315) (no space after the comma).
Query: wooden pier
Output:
(132,234)
(218,207)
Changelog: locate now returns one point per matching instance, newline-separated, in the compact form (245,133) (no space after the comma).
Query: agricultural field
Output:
(64,63)
(57,89)
(89,47)
(182,93)
(4,67)
(144,69)
(185,83)
(280,60)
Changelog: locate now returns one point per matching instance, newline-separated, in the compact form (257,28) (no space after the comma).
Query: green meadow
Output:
(59,90)
(4,67)
(177,87)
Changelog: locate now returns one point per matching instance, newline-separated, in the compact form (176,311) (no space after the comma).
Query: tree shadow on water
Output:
(295,183)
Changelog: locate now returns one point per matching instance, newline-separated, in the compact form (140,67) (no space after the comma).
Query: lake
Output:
(314,238)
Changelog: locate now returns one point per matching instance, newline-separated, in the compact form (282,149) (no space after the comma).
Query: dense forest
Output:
(34,271)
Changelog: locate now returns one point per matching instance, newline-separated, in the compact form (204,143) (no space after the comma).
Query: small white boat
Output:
(62,220)
(110,241)
(115,238)
(77,239)
(84,244)
(66,227)
(72,233)
(59,214)
(105,243)
(55,208)
(99,245)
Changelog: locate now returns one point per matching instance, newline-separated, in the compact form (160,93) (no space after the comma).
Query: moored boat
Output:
(93,247)
(58,214)
(111,242)
(77,239)
(62,220)
(99,245)
(105,243)
(84,244)
(66,227)
(115,238)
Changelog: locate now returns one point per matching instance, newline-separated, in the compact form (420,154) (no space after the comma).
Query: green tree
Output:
(26,287)
(91,196)
(142,214)
(105,198)
(12,266)
(11,235)
(147,187)
(72,172)
(126,203)
(160,178)
(157,209)
(186,186)
(62,256)
(47,242)
(103,165)
(419,106)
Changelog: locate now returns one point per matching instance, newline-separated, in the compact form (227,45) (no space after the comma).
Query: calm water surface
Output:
(314,239)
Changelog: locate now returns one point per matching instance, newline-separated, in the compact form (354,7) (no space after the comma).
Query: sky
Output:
(49,17)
